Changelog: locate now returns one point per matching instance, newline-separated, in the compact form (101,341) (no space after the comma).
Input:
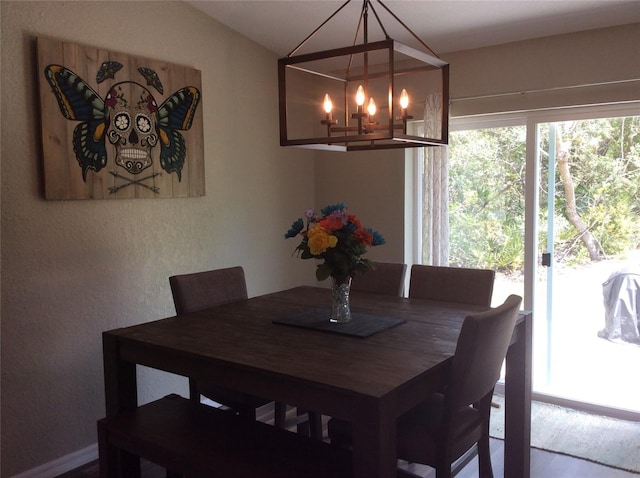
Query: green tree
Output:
(486,198)
(602,161)
(600,186)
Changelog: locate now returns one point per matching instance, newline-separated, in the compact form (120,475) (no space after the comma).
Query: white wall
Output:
(72,269)
(372,185)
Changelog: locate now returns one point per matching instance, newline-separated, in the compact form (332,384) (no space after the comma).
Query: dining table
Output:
(281,346)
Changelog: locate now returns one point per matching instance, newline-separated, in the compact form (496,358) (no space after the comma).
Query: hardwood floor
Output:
(543,465)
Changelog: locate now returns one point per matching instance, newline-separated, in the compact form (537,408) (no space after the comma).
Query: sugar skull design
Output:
(132,126)
(128,117)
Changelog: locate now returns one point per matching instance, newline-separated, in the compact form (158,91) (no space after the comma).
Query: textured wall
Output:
(372,185)
(71,269)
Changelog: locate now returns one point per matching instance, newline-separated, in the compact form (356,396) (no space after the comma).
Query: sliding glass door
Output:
(552,202)
(589,231)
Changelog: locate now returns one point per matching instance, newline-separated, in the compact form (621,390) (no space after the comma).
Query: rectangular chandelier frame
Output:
(353,130)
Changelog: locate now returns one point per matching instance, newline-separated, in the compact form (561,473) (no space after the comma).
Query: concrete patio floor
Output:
(584,367)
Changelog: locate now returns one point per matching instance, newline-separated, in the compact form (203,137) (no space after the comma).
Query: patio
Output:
(584,367)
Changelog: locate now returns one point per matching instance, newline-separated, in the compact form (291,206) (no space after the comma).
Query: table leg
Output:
(374,443)
(517,453)
(121,393)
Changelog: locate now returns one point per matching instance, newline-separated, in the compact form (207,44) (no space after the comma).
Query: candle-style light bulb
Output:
(328,119)
(360,96)
(328,105)
(404,104)
(371,108)
(404,99)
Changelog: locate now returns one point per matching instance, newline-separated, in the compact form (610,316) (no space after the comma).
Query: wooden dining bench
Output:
(196,440)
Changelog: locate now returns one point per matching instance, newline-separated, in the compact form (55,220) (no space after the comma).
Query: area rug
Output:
(600,439)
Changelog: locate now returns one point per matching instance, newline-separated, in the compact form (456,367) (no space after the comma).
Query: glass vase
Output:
(340,309)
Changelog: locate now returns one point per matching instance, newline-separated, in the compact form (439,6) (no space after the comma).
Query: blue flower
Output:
(296,228)
(349,227)
(378,240)
(327,210)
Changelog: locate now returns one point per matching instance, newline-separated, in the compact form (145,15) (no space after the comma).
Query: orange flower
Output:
(363,236)
(332,223)
(355,221)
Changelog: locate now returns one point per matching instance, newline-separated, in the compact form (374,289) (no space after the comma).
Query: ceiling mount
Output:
(364,96)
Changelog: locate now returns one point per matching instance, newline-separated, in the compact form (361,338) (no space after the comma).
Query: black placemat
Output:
(361,325)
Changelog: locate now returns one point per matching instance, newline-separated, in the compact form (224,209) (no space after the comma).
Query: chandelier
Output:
(371,95)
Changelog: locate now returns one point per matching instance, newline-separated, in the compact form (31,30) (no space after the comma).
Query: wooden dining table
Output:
(370,378)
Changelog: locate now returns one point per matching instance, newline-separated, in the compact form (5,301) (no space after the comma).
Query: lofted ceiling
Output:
(444,25)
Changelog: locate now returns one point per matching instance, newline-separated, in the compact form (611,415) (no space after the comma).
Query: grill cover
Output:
(621,294)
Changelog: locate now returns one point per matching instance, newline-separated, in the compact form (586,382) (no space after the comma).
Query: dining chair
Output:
(452,284)
(446,425)
(385,278)
(202,290)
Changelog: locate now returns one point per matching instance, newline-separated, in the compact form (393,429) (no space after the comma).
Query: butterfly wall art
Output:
(118,126)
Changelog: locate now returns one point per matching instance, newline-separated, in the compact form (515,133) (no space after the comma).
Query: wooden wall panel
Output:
(64,159)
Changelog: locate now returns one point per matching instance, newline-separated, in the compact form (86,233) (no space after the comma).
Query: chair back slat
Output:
(386,278)
(201,290)
(452,284)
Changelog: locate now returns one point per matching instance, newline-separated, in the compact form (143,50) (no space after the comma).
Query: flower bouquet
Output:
(339,240)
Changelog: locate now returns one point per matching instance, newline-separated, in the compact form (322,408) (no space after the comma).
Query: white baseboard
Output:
(63,464)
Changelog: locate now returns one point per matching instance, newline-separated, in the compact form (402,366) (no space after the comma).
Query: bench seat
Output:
(200,441)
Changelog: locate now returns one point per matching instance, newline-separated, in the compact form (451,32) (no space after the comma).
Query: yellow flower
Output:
(319,240)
